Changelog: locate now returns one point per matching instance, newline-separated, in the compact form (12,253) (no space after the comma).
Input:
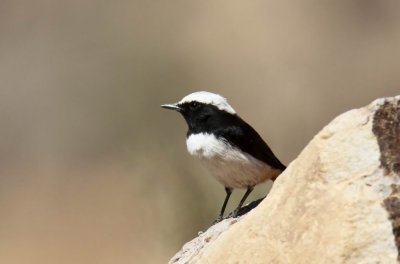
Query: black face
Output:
(202,117)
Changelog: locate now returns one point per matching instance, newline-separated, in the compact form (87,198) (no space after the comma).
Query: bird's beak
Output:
(172,107)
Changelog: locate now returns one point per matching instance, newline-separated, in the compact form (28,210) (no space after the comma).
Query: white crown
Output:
(209,98)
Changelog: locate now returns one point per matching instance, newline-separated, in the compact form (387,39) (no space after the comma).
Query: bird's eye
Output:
(194,105)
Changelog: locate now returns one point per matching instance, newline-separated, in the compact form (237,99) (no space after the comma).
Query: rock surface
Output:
(338,202)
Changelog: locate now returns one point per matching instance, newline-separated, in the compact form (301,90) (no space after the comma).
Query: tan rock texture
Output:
(338,202)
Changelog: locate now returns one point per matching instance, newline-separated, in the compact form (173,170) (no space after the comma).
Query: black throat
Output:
(206,118)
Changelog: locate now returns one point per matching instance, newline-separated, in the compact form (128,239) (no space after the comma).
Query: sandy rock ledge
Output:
(337,202)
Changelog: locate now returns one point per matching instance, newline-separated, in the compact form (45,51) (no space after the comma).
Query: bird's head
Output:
(203,110)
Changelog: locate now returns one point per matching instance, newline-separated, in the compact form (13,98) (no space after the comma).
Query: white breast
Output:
(228,164)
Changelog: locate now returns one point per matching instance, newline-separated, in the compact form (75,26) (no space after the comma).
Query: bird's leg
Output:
(221,214)
(249,190)
(228,194)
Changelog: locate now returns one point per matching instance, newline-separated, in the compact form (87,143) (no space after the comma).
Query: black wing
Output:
(243,136)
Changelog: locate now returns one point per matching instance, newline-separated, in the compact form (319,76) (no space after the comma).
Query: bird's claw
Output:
(219,219)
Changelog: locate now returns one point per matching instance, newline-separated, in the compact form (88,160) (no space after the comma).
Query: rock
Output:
(338,202)
(193,247)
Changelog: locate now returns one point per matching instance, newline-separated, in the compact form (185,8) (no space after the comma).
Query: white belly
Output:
(230,166)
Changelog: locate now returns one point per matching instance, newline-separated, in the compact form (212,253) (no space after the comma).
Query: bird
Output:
(229,148)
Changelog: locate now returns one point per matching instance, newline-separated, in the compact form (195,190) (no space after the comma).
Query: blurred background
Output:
(92,170)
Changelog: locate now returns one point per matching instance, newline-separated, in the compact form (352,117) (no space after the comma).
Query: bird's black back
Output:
(248,140)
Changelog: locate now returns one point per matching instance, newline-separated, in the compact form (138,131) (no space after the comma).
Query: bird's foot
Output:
(245,209)
(234,214)
(219,219)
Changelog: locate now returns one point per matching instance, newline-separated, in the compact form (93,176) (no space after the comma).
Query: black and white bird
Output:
(232,151)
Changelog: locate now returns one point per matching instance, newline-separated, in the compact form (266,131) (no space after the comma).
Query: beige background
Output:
(92,170)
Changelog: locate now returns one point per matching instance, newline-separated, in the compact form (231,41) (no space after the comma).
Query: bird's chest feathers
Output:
(208,146)
(227,164)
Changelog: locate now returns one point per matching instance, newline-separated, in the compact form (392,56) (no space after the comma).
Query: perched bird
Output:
(232,151)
